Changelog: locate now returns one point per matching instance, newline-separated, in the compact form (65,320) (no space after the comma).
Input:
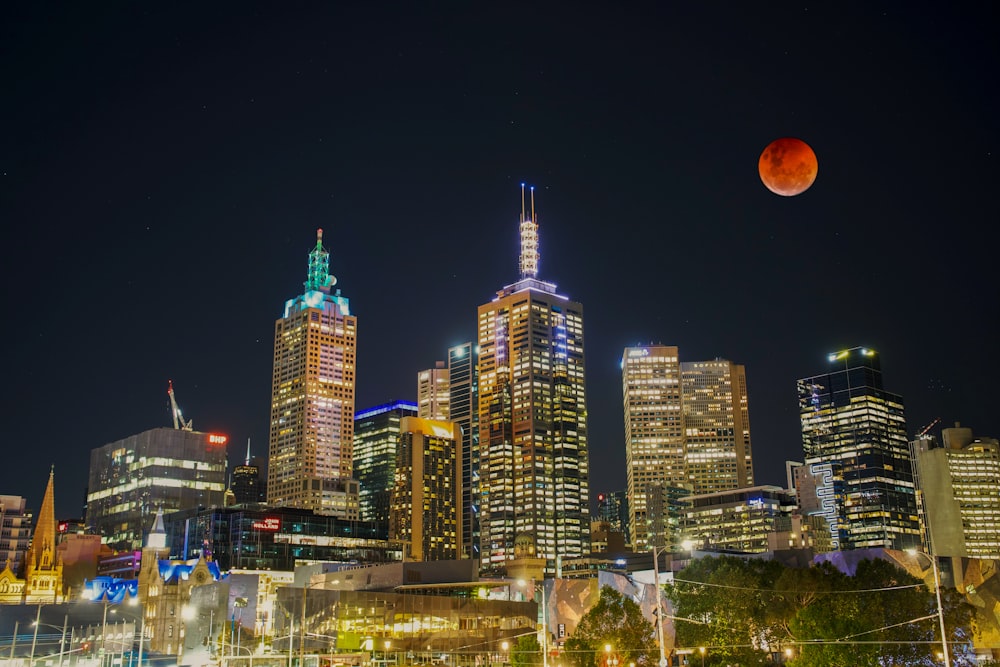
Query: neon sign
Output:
(216,439)
(638,353)
(270,523)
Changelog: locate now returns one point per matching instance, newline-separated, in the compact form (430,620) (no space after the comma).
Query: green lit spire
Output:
(319,279)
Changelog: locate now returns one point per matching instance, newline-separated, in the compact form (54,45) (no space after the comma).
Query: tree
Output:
(527,652)
(616,621)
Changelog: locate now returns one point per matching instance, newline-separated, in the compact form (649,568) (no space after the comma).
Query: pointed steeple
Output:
(528,261)
(43,541)
(319,278)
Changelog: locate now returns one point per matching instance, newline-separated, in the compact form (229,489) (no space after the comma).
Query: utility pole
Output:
(659,608)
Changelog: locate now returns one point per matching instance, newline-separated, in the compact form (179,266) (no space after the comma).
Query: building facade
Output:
(43,568)
(958,486)
(312,396)
(248,538)
(427,496)
(738,519)
(15,532)
(654,437)
(534,472)
(432,392)
(164,468)
(463,410)
(854,436)
(718,454)
(376,441)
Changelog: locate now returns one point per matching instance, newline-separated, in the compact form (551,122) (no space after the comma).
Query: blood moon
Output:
(787,166)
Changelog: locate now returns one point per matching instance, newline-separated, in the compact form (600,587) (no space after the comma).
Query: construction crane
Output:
(925,430)
(179,422)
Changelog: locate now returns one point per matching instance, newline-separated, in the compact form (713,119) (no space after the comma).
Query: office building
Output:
(256,538)
(958,486)
(716,426)
(612,507)
(312,397)
(376,441)
(533,469)
(854,437)
(432,392)
(246,484)
(427,498)
(163,468)
(463,397)
(15,532)
(654,438)
(738,519)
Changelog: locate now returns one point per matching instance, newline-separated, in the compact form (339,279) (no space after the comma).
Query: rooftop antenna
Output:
(529,239)
(248,451)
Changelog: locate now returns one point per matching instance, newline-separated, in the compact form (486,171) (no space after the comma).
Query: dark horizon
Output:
(163,171)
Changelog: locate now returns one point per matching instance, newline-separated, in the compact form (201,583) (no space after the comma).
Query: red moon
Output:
(787,166)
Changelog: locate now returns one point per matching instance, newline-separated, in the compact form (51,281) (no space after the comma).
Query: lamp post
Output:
(659,608)
(134,601)
(545,626)
(13,642)
(701,649)
(62,639)
(34,637)
(940,609)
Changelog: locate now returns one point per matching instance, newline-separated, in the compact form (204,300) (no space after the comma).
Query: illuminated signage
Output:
(638,353)
(269,523)
(63,527)
(216,439)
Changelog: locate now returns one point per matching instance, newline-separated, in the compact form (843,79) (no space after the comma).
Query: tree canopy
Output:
(616,622)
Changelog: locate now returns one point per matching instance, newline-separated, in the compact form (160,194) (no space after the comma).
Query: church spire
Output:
(43,541)
(528,261)
(157,538)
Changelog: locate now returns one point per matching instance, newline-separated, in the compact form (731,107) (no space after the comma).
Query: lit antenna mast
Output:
(319,278)
(528,260)
(179,422)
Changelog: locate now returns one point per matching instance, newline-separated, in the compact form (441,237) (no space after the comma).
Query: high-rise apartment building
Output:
(716,426)
(432,392)
(376,440)
(654,439)
(164,469)
(310,458)
(958,486)
(426,498)
(533,469)
(854,436)
(463,397)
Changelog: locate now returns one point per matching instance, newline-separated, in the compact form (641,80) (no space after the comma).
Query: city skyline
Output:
(163,175)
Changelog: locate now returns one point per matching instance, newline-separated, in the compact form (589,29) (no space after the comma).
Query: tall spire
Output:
(319,278)
(528,260)
(157,538)
(248,452)
(44,538)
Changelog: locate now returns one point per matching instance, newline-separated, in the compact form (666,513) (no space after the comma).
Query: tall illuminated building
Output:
(854,440)
(716,426)
(463,396)
(245,481)
(533,469)
(426,498)
(958,486)
(432,392)
(376,441)
(655,465)
(312,397)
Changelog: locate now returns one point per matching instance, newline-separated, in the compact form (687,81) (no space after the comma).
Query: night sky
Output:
(164,167)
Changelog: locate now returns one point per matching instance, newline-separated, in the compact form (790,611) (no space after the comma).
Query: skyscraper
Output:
(716,426)
(655,466)
(312,397)
(533,469)
(426,497)
(854,434)
(463,396)
(432,392)
(376,441)
(245,483)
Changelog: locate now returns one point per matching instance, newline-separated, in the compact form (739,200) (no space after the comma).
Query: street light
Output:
(134,601)
(701,649)
(62,640)
(545,626)
(659,608)
(940,610)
